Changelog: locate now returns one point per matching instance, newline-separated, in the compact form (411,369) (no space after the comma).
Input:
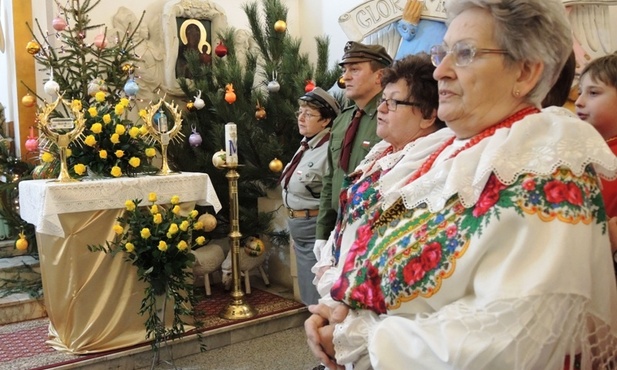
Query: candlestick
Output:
(231,144)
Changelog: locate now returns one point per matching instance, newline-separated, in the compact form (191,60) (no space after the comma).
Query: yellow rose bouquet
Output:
(157,240)
(111,145)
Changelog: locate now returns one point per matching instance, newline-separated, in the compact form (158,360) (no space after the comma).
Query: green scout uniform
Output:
(364,140)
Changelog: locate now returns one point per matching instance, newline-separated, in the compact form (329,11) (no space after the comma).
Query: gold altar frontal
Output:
(93,299)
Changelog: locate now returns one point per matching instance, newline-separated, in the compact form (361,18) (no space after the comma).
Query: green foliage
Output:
(271,55)
(158,242)
(76,63)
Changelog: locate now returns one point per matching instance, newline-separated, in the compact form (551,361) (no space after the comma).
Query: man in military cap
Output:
(354,130)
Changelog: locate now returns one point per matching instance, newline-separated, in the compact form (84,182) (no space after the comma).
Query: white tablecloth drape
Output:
(41,201)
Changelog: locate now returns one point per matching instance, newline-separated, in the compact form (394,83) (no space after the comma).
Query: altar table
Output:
(93,299)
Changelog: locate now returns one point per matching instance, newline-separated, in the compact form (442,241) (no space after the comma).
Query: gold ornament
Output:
(219,159)
(21,243)
(341,82)
(33,47)
(209,222)
(260,112)
(254,247)
(28,100)
(280,26)
(128,68)
(190,106)
(276,165)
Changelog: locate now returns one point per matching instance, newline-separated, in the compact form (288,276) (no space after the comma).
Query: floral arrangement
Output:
(158,240)
(111,145)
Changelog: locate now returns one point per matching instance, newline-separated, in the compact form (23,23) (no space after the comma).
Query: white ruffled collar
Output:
(539,144)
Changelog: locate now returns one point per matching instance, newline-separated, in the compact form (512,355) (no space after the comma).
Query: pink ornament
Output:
(59,24)
(100,41)
(32,144)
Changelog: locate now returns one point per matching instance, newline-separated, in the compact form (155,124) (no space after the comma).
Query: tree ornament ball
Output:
(21,243)
(230,95)
(199,103)
(276,165)
(274,86)
(100,41)
(254,247)
(209,222)
(220,50)
(260,113)
(28,100)
(128,68)
(219,159)
(51,87)
(310,86)
(59,23)
(341,82)
(131,88)
(33,47)
(195,139)
(280,26)
(190,106)
(32,144)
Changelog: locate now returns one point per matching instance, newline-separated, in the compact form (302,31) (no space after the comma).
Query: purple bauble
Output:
(195,139)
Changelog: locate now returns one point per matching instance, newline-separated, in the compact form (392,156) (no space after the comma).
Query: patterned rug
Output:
(22,345)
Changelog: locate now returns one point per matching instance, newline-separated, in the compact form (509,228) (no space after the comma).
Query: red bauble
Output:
(310,86)
(220,50)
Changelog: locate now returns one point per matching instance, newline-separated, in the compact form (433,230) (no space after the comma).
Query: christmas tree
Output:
(267,81)
(79,64)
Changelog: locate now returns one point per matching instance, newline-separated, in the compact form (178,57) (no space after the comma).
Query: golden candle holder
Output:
(161,132)
(237,309)
(62,131)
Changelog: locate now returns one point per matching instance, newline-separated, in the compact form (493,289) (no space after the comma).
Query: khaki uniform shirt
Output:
(365,138)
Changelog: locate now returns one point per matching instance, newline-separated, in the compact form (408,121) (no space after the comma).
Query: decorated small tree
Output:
(257,88)
(90,67)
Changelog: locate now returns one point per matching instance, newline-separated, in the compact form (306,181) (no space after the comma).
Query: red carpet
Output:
(22,345)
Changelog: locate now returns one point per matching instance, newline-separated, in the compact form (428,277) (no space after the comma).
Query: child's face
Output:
(596,104)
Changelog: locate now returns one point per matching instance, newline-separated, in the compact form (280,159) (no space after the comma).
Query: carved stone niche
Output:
(195,13)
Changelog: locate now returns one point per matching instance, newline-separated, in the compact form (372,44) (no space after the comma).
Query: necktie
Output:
(286,175)
(350,135)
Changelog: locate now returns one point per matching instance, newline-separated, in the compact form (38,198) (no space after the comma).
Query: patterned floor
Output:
(22,345)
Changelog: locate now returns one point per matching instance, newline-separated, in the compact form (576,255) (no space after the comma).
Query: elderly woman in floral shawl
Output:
(493,251)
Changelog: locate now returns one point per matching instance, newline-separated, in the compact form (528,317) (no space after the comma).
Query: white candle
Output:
(231,144)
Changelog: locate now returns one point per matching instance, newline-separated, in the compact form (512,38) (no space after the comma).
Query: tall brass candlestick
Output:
(237,308)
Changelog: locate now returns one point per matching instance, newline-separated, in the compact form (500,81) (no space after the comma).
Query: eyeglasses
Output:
(393,103)
(462,52)
(306,115)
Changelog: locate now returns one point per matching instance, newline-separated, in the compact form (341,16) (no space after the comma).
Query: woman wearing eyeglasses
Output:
(301,182)
(493,252)
(406,112)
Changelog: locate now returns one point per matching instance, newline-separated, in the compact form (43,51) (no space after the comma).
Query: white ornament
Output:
(199,102)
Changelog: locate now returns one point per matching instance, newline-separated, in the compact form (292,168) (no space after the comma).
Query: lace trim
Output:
(538,144)
(516,334)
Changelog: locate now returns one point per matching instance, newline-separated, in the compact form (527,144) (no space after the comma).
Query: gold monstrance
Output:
(62,131)
(161,132)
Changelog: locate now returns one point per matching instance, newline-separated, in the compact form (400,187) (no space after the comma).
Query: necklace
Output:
(506,123)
